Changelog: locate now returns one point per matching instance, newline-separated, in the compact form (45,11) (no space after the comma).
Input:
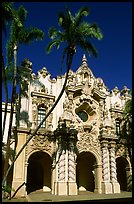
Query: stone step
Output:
(85,192)
(40,191)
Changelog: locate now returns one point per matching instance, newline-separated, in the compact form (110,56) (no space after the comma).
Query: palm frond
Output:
(62,20)
(89,30)
(69,16)
(84,11)
(7,14)
(29,35)
(52,44)
(22,13)
(52,32)
(88,46)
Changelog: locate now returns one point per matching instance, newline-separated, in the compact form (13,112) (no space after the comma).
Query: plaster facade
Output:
(77,149)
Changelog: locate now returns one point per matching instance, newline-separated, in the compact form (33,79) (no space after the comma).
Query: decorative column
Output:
(129,178)
(66,169)
(26,167)
(62,184)
(61,166)
(53,177)
(98,178)
(106,185)
(72,186)
(115,184)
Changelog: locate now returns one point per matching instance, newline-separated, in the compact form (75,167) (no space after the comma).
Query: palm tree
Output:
(8,14)
(18,35)
(74,32)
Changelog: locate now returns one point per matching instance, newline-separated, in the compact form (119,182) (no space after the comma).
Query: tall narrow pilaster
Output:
(61,164)
(71,164)
(72,186)
(112,162)
(113,173)
(105,161)
(106,185)
(61,183)
(98,178)
(129,178)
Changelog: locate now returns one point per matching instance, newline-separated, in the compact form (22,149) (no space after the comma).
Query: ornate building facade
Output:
(76,149)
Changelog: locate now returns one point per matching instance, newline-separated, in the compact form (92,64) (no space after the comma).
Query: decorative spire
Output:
(84,60)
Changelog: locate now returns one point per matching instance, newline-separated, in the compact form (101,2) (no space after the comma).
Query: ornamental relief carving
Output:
(87,141)
(121,151)
(39,142)
(39,101)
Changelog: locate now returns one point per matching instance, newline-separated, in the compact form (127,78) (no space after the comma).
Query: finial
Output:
(84,60)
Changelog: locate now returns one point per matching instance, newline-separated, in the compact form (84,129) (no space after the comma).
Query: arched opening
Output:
(39,172)
(121,164)
(85,176)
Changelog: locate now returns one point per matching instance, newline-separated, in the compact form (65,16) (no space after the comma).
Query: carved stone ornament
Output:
(87,141)
(40,142)
(121,150)
(44,72)
(116,90)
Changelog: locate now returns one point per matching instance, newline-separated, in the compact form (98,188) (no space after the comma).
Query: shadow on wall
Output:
(24,117)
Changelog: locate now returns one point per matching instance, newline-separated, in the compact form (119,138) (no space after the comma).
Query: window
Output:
(83,116)
(117,127)
(41,115)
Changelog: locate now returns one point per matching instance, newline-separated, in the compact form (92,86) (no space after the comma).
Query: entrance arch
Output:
(39,172)
(85,174)
(122,164)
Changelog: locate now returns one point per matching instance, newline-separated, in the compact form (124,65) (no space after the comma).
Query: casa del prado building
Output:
(76,149)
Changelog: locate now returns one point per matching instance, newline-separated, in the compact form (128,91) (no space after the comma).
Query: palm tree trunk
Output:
(18,106)
(68,63)
(6,93)
(11,116)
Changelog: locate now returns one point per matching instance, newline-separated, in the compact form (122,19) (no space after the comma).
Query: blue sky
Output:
(114,62)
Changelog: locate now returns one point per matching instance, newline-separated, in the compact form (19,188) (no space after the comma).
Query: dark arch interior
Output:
(38,172)
(84,171)
(121,164)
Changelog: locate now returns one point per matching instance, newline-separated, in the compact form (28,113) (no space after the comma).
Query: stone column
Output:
(26,166)
(61,167)
(106,185)
(62,184)
(66,184)
(129,178)
(52,178)
(113,176)
(98,178)
(72,186)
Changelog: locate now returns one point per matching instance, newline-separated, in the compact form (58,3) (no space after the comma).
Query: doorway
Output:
(121,164)
(85,177)
(38,172)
